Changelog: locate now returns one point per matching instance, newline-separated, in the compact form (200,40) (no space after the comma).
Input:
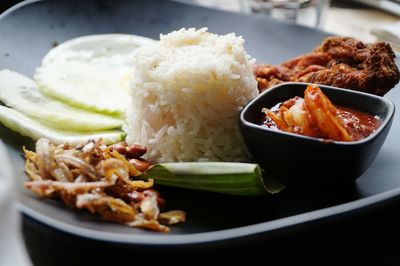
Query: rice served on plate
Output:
(187,92)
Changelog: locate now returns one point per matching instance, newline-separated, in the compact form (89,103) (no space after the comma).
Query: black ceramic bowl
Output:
(305,161)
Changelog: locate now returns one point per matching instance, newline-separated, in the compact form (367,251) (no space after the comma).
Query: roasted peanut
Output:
(120,148)
(140,164)
(135,151)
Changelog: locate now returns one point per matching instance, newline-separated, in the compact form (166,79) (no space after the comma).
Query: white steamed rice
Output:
(187,92)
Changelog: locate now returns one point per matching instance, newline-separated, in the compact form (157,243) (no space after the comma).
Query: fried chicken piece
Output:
(340,62)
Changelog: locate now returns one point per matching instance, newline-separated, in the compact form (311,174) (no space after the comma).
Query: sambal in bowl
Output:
(316,135)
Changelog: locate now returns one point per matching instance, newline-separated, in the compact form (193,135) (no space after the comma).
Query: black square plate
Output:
(29,30)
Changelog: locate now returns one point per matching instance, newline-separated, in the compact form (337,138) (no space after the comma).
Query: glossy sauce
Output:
(358,124)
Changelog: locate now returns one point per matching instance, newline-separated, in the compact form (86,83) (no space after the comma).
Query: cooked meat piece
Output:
(341,62)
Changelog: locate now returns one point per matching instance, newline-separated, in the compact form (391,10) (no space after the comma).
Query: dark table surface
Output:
(370,238)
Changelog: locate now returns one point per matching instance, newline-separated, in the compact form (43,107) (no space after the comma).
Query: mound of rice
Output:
(187,93)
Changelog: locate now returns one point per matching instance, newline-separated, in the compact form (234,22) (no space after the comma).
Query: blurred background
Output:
(367,20)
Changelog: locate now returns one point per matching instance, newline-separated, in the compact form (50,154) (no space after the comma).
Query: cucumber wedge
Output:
(22,94)
(26,126)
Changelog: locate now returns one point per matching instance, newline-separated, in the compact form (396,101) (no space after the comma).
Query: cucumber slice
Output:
(91,72)
(86,86)
(26,126)
(22,94)
(223,177)
(98,49)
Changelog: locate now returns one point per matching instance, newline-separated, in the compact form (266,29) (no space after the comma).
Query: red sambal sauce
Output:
(316,116)
(358,124)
